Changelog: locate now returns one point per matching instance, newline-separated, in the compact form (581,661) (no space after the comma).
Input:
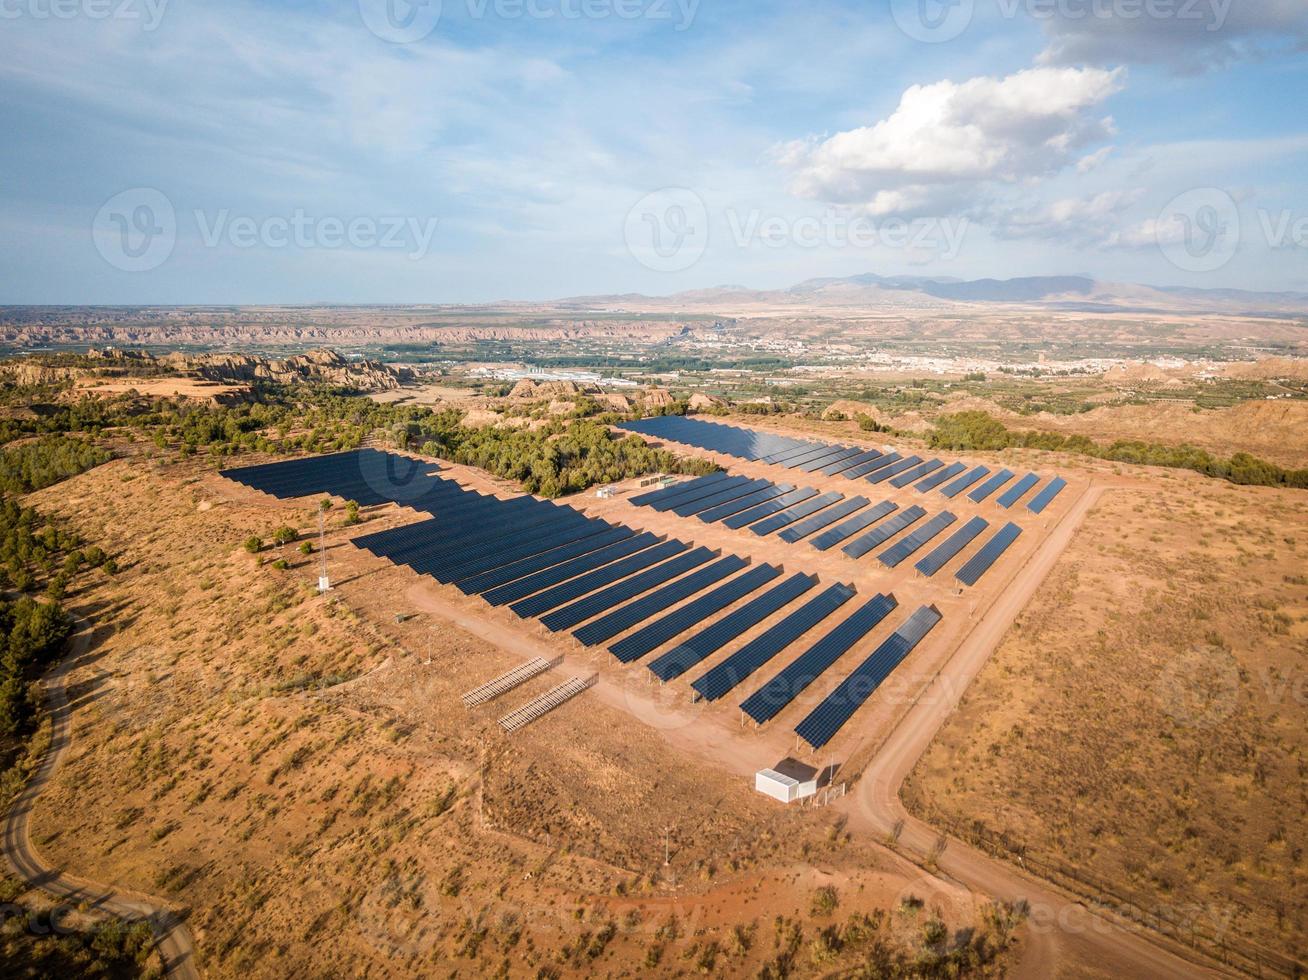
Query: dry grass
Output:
(1146,721)
(299,774)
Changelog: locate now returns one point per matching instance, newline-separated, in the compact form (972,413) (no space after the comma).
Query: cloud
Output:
(1190,36)
(1092,221)
(946,141)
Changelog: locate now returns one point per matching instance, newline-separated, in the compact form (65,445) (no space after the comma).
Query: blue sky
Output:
(167,151)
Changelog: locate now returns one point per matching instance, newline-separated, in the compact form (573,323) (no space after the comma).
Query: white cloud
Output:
(1092,221)
(947,141)
(1190,36)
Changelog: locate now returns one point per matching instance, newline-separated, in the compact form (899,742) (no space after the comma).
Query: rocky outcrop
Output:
(327,366)
(700,402)
(656,397)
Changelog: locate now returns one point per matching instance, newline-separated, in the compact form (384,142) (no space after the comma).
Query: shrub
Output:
(254,544)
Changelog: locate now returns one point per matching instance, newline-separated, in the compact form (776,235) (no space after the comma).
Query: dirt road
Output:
(1058,926)
(172,936)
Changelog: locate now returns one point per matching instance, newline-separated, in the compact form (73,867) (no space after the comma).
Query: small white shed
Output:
(788,781)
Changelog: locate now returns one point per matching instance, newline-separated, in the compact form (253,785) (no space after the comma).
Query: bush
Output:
(306,548)
(285,535)
(254,544)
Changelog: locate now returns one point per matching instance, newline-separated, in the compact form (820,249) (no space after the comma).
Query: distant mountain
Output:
(1076,293)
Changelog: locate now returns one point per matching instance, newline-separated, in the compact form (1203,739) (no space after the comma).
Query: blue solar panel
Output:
(980,563)
(719,681)
(899,466)
(692,614)
(722,497)
(916,473)
(698,492)
(1046,496)
(939,477)
(1014,493)
(990,486)
(610,625)
(818,451)
(665,493)
(834,455)
(786,517)
(965,481)
(605,599)
(861,546)
(855,524)
(794,452)
(774,506)
(542,602)
(822,723)
(952,545)
(865,466)
(743,503)
(510,556)
(526,566)
(897,552)
(576,566)
(889,459)
(863,455)
(821,519)
(705,643)
(768,701)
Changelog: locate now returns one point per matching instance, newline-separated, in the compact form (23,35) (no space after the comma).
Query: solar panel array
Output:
(822,723)
(638,592)
(366,476)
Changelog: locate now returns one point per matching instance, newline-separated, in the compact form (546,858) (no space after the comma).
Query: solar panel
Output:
(547,559)
(939,477)
(786,517)
(863,455)
(719,681)
(697,492)
(1046,496)
(776,505)
(708,641)
(980,563)
(663,493)
(861,546)
(818,450)
(525,586)
(768,701)
(855,524)
(610,625)
(722,497)
(897,552)
(1014,493)
(899,466)
(794,452)
(916,473)
(692,614)
(887,460)
(821,519)
(822,723)
(952,545)
(964,481)
(449,564)
(990,486)
(834,455)
(565,592)
(510,556)
(743,503)
(605,599)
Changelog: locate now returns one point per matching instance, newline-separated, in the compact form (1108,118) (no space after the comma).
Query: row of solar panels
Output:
(852,462)
(828,519)
(610,584)
(366,476)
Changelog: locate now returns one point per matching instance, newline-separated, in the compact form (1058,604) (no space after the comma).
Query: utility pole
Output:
(324,583)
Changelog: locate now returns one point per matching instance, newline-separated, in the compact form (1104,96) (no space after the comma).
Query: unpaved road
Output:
(172,936)
(1059,927)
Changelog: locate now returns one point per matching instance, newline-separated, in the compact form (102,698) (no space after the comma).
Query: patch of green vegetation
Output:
(965,431)
(45,461)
